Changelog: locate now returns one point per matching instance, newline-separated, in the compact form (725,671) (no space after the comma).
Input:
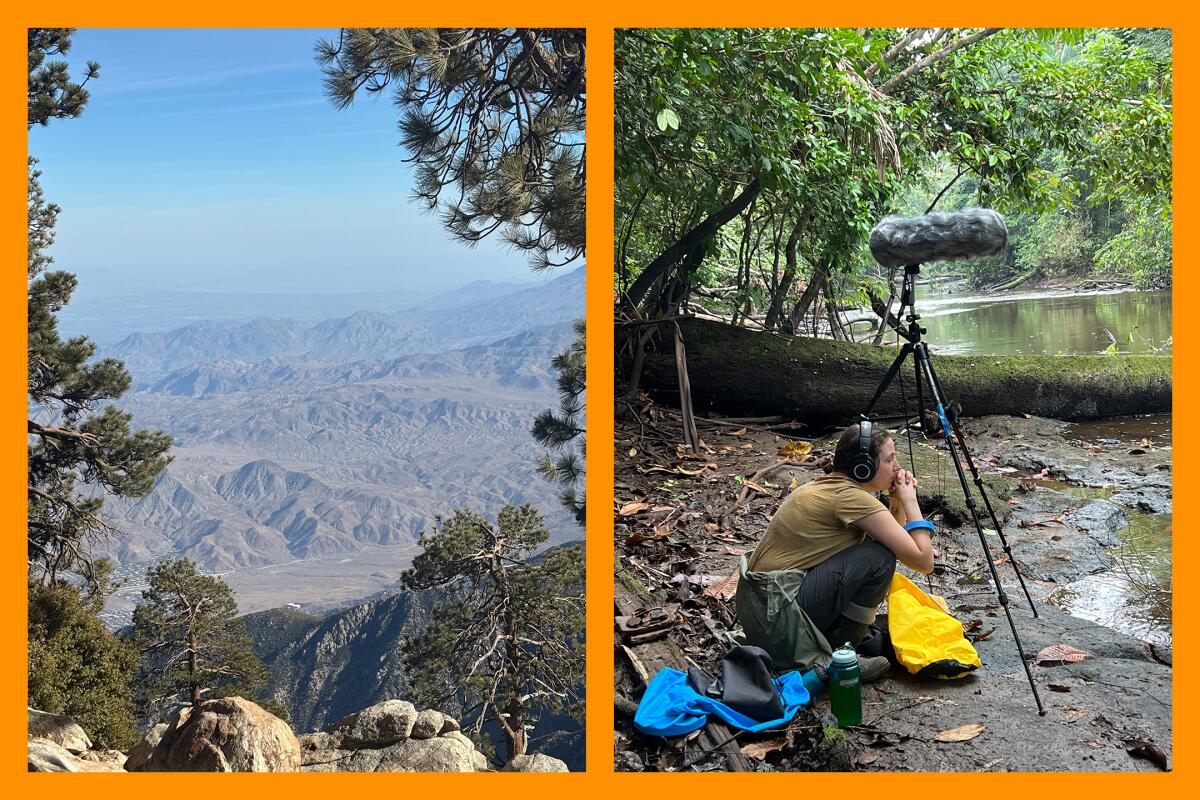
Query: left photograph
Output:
(306,403)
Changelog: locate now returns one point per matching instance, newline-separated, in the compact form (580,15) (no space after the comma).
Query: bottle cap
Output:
(845,655)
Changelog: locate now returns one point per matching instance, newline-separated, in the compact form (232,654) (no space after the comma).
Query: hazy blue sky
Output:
(212,159)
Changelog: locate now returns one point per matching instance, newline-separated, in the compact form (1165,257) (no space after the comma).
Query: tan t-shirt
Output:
(815,522)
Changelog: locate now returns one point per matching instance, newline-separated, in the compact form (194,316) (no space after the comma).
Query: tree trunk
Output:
(516,742)
(745,373)
(192,670)
(672,255)
(789,275)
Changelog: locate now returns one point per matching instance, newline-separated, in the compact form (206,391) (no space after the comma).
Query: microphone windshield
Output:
(903,241)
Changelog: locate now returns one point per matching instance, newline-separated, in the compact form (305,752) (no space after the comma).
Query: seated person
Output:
(815,580)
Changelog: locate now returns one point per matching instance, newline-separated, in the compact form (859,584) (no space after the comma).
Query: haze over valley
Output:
(308,457)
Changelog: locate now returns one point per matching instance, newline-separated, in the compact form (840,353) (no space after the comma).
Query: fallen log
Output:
(742,373)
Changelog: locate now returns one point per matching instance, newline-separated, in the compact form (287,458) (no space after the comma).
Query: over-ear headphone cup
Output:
(862,471)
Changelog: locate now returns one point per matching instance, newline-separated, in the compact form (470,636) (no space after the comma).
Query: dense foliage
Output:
(77,667)
(748,160)
(493,119)
(507,640)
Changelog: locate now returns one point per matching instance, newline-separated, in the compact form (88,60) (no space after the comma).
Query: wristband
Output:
(918,524)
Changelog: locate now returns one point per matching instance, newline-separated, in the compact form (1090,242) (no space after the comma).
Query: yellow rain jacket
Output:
(928,641)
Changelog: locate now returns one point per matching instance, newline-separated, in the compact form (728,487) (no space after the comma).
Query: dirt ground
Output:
(683,519)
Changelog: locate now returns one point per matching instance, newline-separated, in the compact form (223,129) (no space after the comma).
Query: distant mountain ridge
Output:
(490,312)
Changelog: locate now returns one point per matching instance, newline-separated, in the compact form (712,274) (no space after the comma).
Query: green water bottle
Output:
(845,688)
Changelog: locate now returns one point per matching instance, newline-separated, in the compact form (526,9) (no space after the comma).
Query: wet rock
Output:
(1152,500)
(1101,519)
(61,730)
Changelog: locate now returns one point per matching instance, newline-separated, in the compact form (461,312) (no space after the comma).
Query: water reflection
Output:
(1048,323)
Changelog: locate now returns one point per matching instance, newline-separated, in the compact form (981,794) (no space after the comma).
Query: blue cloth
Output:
(670,707)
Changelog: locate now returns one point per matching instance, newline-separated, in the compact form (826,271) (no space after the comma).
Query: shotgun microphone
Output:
(906,241)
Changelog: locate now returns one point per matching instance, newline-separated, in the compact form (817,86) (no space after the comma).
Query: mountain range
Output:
(308,458)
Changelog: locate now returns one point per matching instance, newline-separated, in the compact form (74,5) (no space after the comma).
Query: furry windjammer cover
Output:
(900,241)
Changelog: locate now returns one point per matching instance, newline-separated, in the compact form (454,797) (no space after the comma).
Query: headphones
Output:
(862,467)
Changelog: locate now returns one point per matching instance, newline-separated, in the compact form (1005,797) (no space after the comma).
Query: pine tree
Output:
(493,120)
(72,439)
(190,641)
(52,93)
(558,430)
(507,639)
(77,667)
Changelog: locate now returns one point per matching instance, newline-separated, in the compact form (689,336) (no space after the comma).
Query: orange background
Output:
(599,19)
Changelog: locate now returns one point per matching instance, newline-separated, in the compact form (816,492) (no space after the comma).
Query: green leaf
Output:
(668,119)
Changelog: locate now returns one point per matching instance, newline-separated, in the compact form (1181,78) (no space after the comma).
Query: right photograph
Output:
(893,413)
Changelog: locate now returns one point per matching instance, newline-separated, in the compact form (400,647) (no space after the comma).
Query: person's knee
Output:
(883,560)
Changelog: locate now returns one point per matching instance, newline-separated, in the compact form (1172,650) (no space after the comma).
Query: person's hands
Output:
(904,487)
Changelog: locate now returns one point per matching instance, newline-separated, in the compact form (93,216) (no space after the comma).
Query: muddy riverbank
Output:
(1064,495)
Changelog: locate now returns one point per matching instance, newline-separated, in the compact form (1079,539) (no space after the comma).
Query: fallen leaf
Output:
(1058,687)
(1012,501)
(1139,749)
(960,734)
(724,590)
(1137,451)
(629,509)
(758,488)
(866,758)
(1061,654)
(738,432)
(633,452)
(659,509)
(973,624)
(761,750)
(796,450)
(979,637)
(1073,714)
(712,527)
(1027,416)
(683,471)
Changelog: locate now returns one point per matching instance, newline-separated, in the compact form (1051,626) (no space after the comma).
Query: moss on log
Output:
(739,372)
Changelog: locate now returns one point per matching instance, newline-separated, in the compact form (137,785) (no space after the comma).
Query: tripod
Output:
(955,442)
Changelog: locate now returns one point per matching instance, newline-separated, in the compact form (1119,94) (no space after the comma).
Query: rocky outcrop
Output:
(63,731)
(46,755)
(391,736)
(535,762)
(229,734)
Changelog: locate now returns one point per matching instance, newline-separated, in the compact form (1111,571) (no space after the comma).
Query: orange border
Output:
(599,19)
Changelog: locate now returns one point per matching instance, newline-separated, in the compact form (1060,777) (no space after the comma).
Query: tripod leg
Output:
(920,398)
(922,357)
(889,377)
(978,481)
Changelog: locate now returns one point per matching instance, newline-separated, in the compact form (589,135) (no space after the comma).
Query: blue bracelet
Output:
(917,524)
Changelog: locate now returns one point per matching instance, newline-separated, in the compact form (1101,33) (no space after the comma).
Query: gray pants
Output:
(841,593)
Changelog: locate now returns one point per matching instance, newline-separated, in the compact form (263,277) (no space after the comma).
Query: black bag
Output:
(747,684)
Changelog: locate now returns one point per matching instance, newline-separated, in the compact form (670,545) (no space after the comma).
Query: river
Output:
(1135,596)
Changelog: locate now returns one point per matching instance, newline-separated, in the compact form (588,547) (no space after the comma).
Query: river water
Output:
(1046,322)
(1135,596)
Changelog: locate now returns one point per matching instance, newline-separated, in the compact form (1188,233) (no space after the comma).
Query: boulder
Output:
(428,725)
(1101,519)
(141,752)
(535,762)
(377,726)
(229,734)
(391,737)
(46,755)
(61,730)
